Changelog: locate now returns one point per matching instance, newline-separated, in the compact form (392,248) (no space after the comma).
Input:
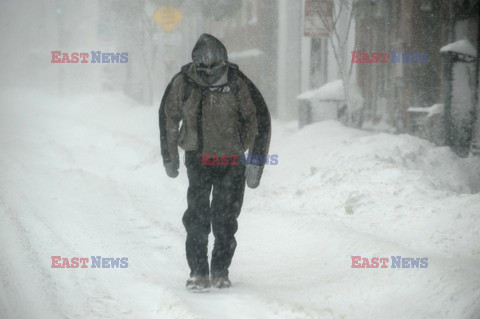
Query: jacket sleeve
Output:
(169,118)
(261,139)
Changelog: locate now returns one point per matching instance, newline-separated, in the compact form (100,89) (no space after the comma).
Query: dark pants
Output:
(228,183)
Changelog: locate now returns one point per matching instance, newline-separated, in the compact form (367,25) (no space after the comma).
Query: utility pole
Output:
(475,145)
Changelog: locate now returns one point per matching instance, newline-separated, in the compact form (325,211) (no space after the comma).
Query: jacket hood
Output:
(209,50)
(210,62)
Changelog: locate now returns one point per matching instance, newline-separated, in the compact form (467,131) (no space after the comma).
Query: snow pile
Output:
(331,91)
(329,98)
(83,177)
(387,195)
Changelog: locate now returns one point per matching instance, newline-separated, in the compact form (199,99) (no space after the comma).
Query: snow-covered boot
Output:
(221,282)
(198,283)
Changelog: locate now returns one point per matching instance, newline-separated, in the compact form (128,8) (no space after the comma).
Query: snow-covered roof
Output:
(460,46)
(331,91)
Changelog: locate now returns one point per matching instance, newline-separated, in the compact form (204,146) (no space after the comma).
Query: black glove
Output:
(171,169)
(253,174)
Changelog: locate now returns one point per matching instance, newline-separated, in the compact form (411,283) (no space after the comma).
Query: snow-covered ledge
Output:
(463,47)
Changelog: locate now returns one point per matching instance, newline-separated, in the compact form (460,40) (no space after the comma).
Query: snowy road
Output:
(83,177)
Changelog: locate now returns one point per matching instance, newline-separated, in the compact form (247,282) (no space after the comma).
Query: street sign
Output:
(167,17)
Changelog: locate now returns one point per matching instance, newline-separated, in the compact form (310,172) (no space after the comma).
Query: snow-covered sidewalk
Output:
(83,177)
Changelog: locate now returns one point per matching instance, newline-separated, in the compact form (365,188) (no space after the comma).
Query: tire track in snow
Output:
(46,288)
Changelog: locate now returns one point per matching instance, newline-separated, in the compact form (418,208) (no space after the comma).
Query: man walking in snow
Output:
(221,113)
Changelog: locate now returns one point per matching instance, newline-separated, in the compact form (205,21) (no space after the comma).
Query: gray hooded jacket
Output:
(219,108)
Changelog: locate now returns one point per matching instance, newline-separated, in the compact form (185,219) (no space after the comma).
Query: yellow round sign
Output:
(167,17)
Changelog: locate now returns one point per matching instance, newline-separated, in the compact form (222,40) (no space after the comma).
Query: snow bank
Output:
(382,195)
